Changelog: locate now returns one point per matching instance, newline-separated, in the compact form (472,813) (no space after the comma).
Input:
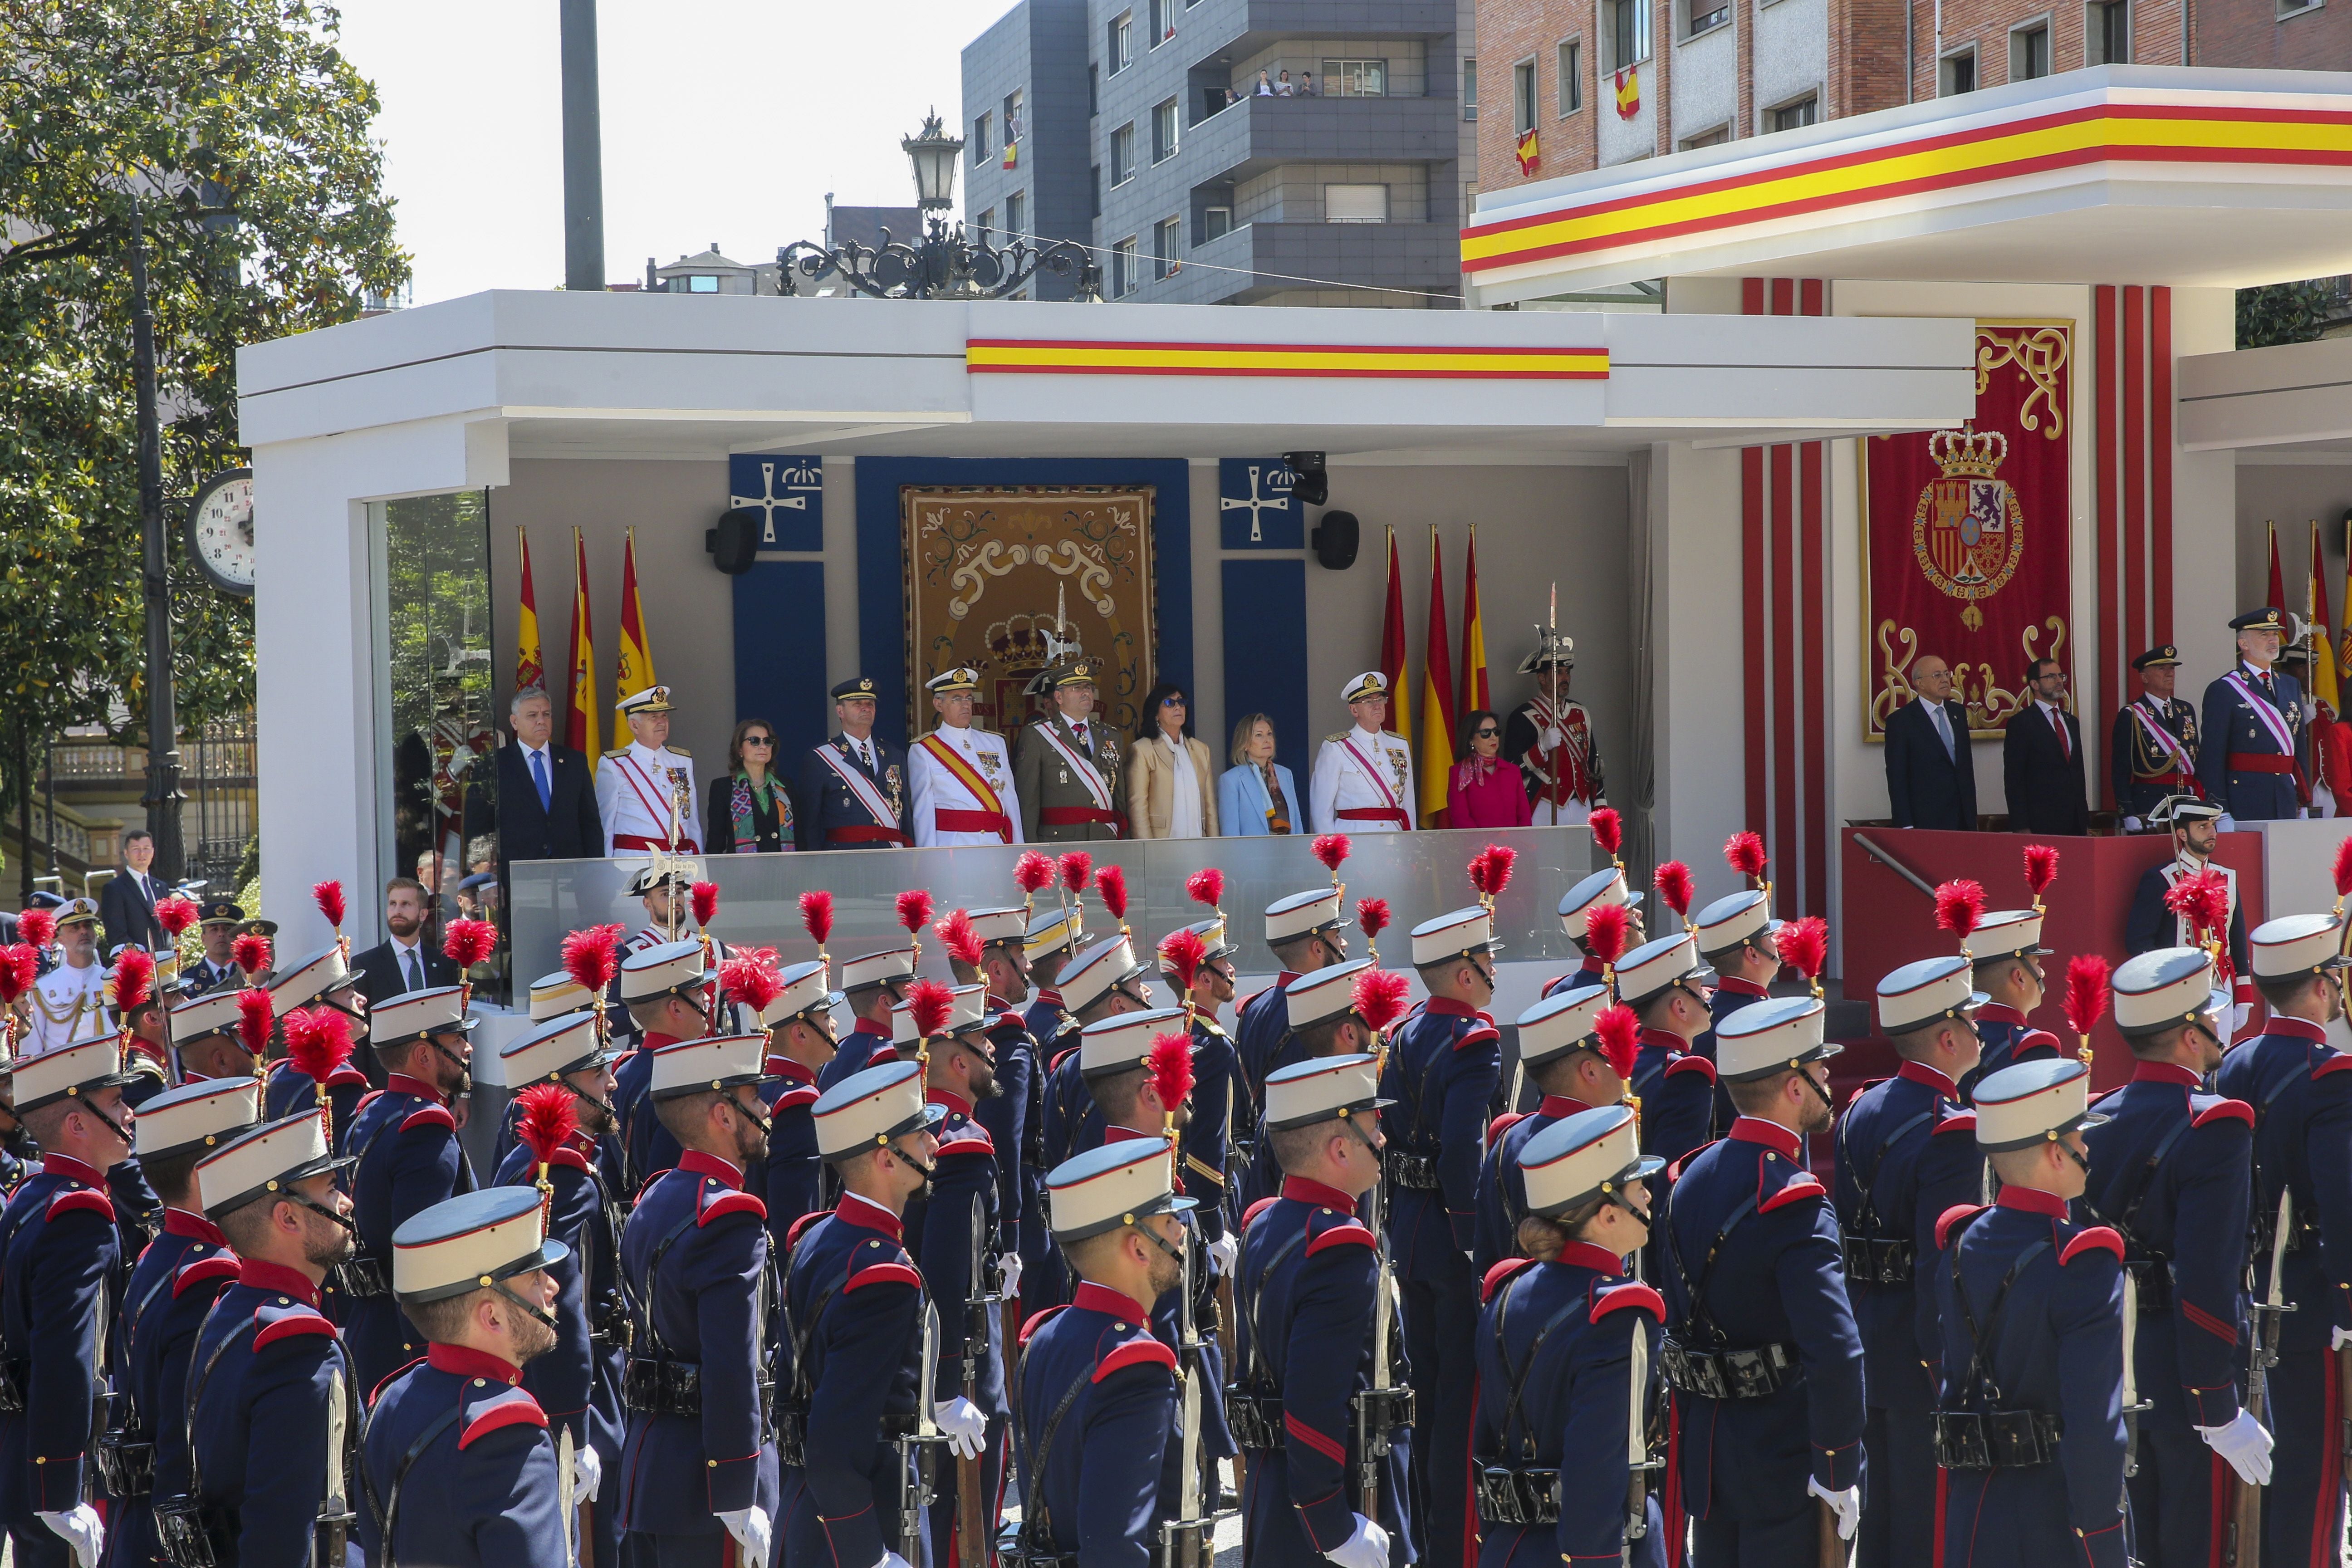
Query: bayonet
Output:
(1187,1550)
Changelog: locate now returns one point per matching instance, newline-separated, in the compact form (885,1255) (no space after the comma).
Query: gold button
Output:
(714,1465)
(477,1382)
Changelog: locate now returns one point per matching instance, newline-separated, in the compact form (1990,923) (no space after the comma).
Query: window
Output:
(1629,33)
(1523,97)
(1163,22)
(1013,106)
(1216,223)
(1122,267)
(1790,116)
(1571,76)
(1715,138)
(1957,73)
(979,141)
(1469,88)
(1094,206)
(1123,42)
(1163,131)
(1122,154)
(701,283)
(2296,7)
(1355,78)
(2029,52)
(1167,252)
(987,225)
(1355,203)
(2107,33)
(1707,15)
(1017,215)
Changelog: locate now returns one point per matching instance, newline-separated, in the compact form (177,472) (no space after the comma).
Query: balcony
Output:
(1256,134)
(1267,259)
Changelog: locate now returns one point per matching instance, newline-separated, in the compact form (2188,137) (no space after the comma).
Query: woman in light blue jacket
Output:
(1255,795)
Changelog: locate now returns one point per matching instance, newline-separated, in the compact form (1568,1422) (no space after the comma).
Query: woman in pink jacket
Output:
(1483,791)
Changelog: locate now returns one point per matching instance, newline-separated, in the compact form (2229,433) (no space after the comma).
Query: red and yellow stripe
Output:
(2155,133)
(1039,356)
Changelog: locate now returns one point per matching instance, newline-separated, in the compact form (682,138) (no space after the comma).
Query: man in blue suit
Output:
(547,796)
(1931,779)
(2253,727)
(851,792)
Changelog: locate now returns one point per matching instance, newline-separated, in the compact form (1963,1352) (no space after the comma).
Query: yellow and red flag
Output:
(634,671)
(530,665)
(2323,642)
(1393,651)
(1473,638)
(2278,584)
(1435,764)
(1629,91)
(1530,156)
(2344,651)
(580,716)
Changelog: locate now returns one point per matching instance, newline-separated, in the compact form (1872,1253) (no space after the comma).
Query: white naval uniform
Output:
(633,794)
(1344,780)
(62,1005)
(936,789)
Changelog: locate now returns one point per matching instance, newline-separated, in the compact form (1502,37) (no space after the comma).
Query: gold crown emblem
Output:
(1969,451)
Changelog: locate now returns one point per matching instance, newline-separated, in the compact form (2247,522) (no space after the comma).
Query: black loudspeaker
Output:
(735,542)
(1311,485)
(1335,539)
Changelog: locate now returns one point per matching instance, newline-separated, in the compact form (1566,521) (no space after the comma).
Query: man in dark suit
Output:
(851,792)
(546,797)
(2041,759)
(1931,778)
(402,960)
(126,905)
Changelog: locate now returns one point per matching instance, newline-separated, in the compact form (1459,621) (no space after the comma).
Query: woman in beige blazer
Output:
(1164,798)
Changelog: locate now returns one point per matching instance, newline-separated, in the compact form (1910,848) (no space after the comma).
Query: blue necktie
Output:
(539,779)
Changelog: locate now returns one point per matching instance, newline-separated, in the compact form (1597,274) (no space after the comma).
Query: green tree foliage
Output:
(2280,313)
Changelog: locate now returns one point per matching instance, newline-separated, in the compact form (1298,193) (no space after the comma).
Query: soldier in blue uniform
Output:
(1441,1072)
(323,979)
(871,985)
(1217,1086)
(212,969)
(1080,1108)
(406,1158)
(1907,1151)
(1737,938)
(1096,1390)
(554,996)
(2152,755)
(1102,983)
(2033,1342)
(1566,1343)
(2301,1090)
(146,1032)
(1666,986)
(2196,834)
(1004,973)
(697,1468)
(1305,932)
(1050,943)
(2169,1174)
(460,1465)
(204,1041)
(1319,1010)
(1563,1052)
(852,791)
(577,1386)
(273,1411)
(60,1287)
(800,1044)
(2254,729)
(2005,949)
(170,1287)
(668,989)
(1606,885)
(1761,1352)
(1309,1350)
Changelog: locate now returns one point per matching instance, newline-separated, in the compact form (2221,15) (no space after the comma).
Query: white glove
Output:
(82,1532)
(1367,1548)
(1010,1266)
(2338,1338)
(2225,822)
(2246,1443)
(2303,814)
(892,1559)
(2239,1014)
(1846,1505)
(587,1475)
(966,1428)
(1225,1252)
(748,1526)
(2131,824)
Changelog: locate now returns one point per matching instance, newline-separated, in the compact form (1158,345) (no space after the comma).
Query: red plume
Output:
(1373,915)
(1608,829)
(38,927)
(2041,868)
(1378,997)
(1111,883)
(1673,884)
(1605,930)
(1620,1028)
(550,1116)
(960,937)
(2086,990)
(1744,852)
(329,896)
(1959,905)
(705,896)
(930,1003)
(1207,886)
(254,1019)
(319,1041)
(1183,953)
(749,975)
(1331,849)
(175,914)
(1490,869)
(468,942)
(20,965)
(1032,872)
(816,914)
(1170,1062)
(1804,946)
(250,952)
(1076,868)
(2343,867)
(592,957)
(2202,900)
(913,909)
(134,979)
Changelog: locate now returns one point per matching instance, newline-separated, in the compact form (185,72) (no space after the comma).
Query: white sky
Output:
(725,120)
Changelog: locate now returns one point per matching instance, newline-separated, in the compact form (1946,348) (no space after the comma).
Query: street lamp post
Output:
(162,798)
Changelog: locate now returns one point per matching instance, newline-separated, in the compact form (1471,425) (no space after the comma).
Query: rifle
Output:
(2262,1354)
(973,1534)
(918,1453)
(1375,1404)
(1183,1535)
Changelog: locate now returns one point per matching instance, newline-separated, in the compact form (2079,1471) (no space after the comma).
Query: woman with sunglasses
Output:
(748,811)
(1168,791)
(1483,791)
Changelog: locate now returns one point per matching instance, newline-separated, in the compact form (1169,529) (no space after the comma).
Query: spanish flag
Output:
(2323,644)
(580,718)
(1629,91)
(1011,153)
(1435,764)
(1393,657)
(634,671)
(1530,159)
(1473,638)
(530,667)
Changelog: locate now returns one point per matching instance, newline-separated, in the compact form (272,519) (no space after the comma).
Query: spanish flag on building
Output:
(634,671)
(1530,158)
(1629,91)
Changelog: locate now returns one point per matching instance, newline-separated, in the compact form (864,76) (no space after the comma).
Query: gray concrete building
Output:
(1229,151)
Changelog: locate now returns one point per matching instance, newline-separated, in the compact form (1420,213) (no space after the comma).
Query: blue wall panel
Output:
(779,660)
(1266,662)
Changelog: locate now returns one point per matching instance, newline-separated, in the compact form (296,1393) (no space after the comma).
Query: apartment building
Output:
(1230,152)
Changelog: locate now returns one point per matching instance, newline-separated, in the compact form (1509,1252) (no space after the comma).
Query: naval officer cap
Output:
(1372,683)
(553,995)
(2269,617)
(222,912)
(712,1062)
(1324,993)
(1211,932)
(855,688)
(1094,972)
(76,912)
(419,1015)
(963,678)
(1649,969)
(2164,656)
(471,1242)
(1050,932)
(1606,885)
(868,1110)
(266,1162)
(1592,1155)
(1117,1045)
(547,1051)
(1323,1088)
(1111,1185)
(664,969)
(1304,914)
(891,966)
(195,1116)
(803,991)
(1558,1024)
(652,699)
(2171,985)
(1734,918)
(1000,927)
(1456,935)
(303,981)
(2007,934)
(2033,1102)
(2297,944)
(213,1013)
(70,1072)
(1919,993)
(1776,1035)
(2180,810)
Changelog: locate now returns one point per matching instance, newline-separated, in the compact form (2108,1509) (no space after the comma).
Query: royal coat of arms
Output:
(1969,532)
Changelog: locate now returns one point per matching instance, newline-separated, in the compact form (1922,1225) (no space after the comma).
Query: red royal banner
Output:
(1965,532)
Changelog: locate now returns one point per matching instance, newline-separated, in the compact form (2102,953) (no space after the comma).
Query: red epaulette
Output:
(1500,1272)
(1691,1061)
(1633,1294)
(1796,1189)
(514,1407)
(799,1094)
(793,1232)
(2034,1040)
(2336,1063)
(971,1138)
(74,1199)
(1483,1035)
(1957,1214)
(571,1159)
(2224,1110)
(2097,1238)
(429,1116)
(1502,1124)
(1346,1233)
(884,1274)
(1036,1320)
(394,1375)
(1249,1216)
(1958,1122)
(222,1265)
(1055,1065)
(729,1201)
(293,1325)
(365,1102)
(1141,1350)
(345,1074)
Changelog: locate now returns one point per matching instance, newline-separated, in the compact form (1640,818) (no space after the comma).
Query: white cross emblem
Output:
(799,477)
(1259,504)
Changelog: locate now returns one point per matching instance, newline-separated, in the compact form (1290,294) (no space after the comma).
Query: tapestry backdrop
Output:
(987,571)
(1965,532)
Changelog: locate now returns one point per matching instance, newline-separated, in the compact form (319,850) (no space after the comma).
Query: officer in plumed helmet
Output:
(1306,931)
(872,983)
(1666,986)
(667,990)
(1606,885)
(2005,952)
(323,979)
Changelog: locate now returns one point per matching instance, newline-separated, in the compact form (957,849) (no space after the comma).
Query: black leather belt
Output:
(1415,1173)
(1878,1260)
(1998,1439)
(1509,1496)
(1750,1372)
(362,1278)
(654,1388)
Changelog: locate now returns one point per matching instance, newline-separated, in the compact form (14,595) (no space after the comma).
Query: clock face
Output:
(220,530)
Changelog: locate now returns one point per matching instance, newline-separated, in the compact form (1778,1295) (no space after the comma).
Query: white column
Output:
(1699,687)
